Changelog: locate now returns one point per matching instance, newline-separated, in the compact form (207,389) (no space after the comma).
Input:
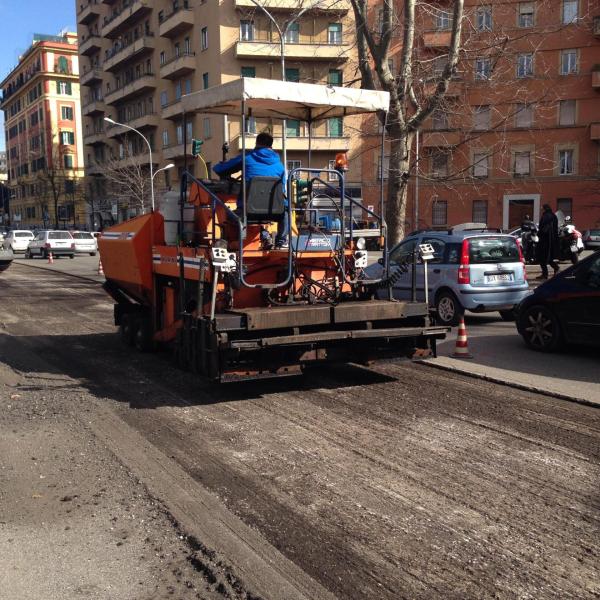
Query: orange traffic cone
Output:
(100,267)
(50,258)
(462,345)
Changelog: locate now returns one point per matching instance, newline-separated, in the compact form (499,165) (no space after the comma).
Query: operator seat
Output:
(264,200)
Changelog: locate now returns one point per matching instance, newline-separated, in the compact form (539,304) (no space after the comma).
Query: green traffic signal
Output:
(197,147)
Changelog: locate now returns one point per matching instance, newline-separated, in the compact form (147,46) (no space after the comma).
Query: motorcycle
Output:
(570,239)
(529,242)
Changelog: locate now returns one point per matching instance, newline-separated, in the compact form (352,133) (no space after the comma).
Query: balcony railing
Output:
(179,65)
(90,76)
(176,22)
(131,11)
(93,107)
(144,82)
(310,48)
(325,6)
(173,110)
(137,122)
(88,12)
(121,53)
(90,44)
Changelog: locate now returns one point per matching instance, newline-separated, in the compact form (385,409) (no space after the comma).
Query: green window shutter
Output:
(292,127)
(248,72)
(69,88)
(292,75)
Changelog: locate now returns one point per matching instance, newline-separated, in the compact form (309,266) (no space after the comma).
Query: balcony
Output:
(173,110)
(174,151)
(90,77)
(121,54)
(329,7)
(440,139)
(319,50)
(595,132)
(437,39)
(318,144)
(87,13)
(138,86)
(95,138)
(94,107)
(175,23)
(148,120)
(90,44)
(178,66)
(596,79)
(118,22)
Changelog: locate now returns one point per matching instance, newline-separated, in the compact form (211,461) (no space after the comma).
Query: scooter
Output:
(530,240)
(570,239)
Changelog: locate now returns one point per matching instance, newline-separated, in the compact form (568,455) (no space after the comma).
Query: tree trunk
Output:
(398,177)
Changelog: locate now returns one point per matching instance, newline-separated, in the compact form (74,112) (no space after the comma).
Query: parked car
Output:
(85,242)
(17,240)
(472,269)
(565,309)
(591,239)
(59,243)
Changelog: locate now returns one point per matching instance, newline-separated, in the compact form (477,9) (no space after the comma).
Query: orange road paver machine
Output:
(197,277)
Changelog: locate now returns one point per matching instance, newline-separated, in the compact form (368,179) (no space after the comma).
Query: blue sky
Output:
(19,20)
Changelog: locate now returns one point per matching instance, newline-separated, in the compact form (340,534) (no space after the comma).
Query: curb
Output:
(518,386)
(23,264)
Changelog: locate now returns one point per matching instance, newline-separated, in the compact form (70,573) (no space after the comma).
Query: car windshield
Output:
(81,235)
(594,231)
(493,250)
(59,235)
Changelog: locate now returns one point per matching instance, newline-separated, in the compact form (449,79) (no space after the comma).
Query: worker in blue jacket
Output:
(262,161)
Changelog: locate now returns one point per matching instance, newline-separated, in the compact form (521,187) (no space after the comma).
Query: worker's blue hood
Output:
(266,156)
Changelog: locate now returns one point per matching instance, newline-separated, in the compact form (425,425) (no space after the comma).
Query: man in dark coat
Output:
(548,247)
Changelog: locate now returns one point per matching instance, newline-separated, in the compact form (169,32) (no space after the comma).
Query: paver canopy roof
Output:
(268,98)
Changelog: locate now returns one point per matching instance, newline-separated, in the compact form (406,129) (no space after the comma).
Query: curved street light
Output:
(113,122)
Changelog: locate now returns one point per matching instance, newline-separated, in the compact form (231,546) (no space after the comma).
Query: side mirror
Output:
(380,261)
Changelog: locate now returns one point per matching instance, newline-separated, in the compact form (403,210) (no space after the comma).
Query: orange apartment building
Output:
(139,57)
(520,126)
(40,100)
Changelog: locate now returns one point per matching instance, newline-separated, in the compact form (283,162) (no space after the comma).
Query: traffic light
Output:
(197,147)
(302,190)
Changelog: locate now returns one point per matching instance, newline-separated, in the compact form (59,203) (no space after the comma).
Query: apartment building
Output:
(139,57)
(42,113)
(520,126)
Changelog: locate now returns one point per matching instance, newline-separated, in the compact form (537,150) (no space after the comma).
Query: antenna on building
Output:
(63,32)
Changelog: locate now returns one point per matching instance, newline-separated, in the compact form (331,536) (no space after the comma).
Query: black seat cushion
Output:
(264,199)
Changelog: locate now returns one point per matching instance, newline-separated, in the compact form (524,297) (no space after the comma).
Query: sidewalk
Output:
(500,354)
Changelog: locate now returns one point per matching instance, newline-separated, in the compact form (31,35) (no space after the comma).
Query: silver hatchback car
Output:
(472,269)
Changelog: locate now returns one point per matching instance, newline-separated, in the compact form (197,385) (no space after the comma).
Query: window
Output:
(335,127)
(480,166)
(292,75)
(178,90)
(162,58)
(246,31)
(439,249)
(524,115)
(177,50)
(483,18)
(334,33)
(439,163)
(566,164)
(163,99)
(206,128)
(481,118)
(204,81)
(204,38)
(565,205)
(568,62)
(439,119)
(566,112)
(294,164)
(68,161)
(525,65)
(248,72)
(292,128)
(62,64)
(480,211)
(522,164)
(66,112)
(165,138)
(64,88)
(187,46)
(570,9)
(335,77)
(179,133)
(187,84)
(443,19)
(251,125)
(439,213)
(526,14)
(292,35)
(403,253)
(67,138)
(483,68)
(189,130)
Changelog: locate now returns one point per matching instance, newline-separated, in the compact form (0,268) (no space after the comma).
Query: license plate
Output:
(574,248)
(499,277)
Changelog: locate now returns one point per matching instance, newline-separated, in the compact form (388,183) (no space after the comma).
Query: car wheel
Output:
(28,253)
(508,315)
(448,309)
(127,328)
(540,329)
(92,253)
(44,253)
(71,256)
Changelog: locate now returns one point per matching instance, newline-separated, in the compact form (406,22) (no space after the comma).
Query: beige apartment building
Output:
(139,57)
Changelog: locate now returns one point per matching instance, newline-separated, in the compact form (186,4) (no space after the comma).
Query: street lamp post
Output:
(112,122)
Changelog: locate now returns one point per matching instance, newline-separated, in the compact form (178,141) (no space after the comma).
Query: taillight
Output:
(464,271)
(522,259)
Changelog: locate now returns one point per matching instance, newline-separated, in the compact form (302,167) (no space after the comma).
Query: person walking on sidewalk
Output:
(548,246)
